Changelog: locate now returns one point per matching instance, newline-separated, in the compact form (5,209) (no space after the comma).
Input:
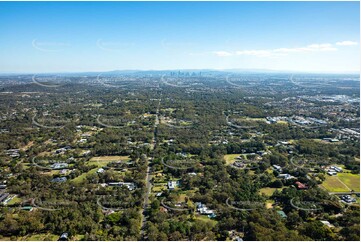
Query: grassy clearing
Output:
(251,172)
(327,142)
(269,171)
(99,161)
(230,158)
(15,200)
(268,191)
(255,119)
(82,177)
(333,184)
(269,204)
(159,188)
(26,147)
(351,180)
(206,219)
(78,237)
(40,237)
(181,197)
(342,182)
(110,158)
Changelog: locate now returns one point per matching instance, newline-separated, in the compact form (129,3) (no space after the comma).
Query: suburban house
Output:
(333,170)
(59,165)
(204,210)
(3,197)
(347,199)
(301,185)
(277,168)
(130,185)
(173,184)
(63,237)
(328,224)
(285,176)
(59,179)
(100,170)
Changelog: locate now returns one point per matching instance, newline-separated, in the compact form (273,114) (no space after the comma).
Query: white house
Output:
(173,184)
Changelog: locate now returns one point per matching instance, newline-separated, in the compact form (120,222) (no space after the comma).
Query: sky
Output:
(43,37)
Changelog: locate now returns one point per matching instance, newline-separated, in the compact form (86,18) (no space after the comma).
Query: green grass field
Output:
(15,200)
(99,161)
(40,237)
(81,178)
(206,219)
(268,191)
(342,182)
(159,188)
(107,159)
(46,236)
(230,158)
(282,122)
(333,184)
(351,180)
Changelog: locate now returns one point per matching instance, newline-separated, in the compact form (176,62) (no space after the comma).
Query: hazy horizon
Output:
(234,70)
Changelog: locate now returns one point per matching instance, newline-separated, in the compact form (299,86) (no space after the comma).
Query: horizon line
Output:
(255,70)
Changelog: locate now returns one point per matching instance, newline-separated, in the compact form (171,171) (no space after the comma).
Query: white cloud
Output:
(308,48)
(260,53)
(279,51)
(222,53)
(346,43)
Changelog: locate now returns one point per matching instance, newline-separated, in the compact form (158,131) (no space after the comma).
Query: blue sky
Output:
(102,36)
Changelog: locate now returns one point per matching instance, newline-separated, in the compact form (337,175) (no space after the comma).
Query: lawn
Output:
(351,180)
(269,171)
(158,188)
(251,172)
(81,178)
(40,237)
(268,191)
(78,237)
(205,218)
(99,161)
(109,158)
(269,204)
(255,119)
(230,158)
(333,184)
(282,122)
(15,200)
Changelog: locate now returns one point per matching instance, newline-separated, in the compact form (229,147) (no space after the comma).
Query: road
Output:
(148,177)
(344,193)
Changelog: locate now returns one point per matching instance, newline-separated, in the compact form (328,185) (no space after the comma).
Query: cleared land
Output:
(206,219)
(333,184)
(351,180)
(15,200)
(109,158)
(99,161)
(40,237)
(342,182)
(230,158)
(268,191)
